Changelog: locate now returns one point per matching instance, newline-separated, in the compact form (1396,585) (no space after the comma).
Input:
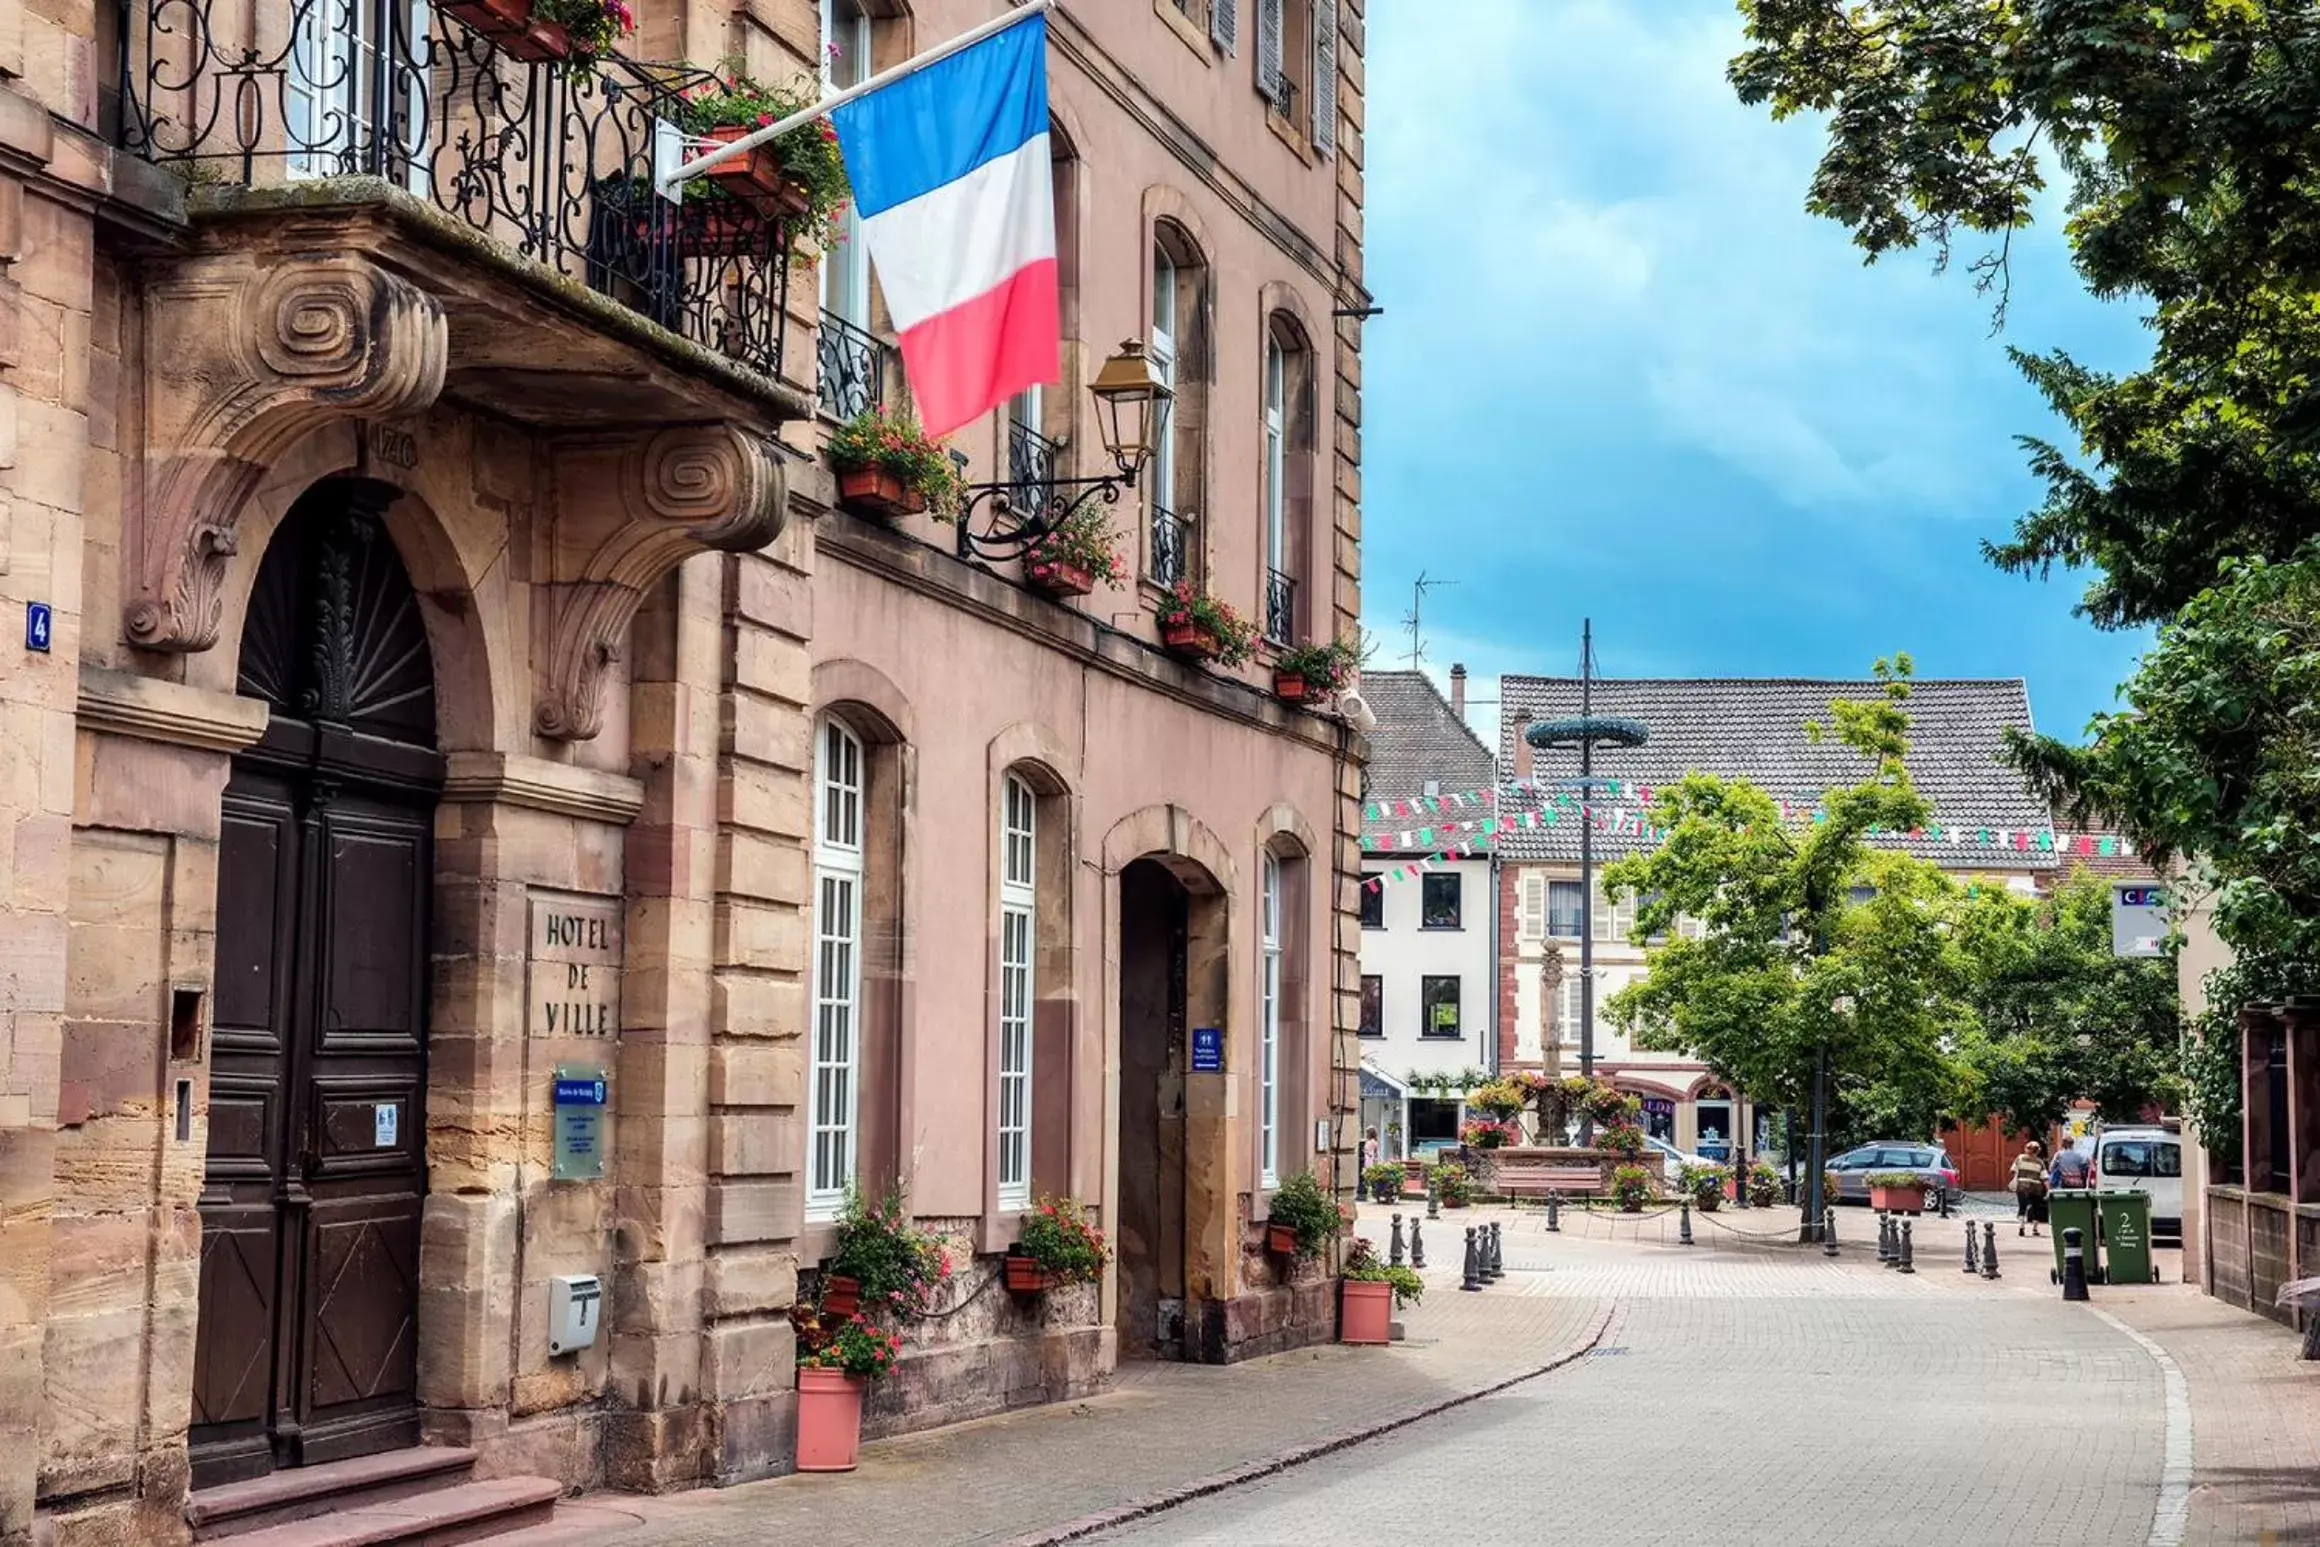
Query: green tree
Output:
(2060,1017)
(2188,134)
(1796,963)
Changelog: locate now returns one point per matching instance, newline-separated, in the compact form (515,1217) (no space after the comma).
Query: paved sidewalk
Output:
(1161,1428)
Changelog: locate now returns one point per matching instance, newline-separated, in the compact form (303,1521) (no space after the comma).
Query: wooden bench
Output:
(1522,1176)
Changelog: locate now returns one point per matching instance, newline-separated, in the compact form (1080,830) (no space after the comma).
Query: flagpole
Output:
(887,77)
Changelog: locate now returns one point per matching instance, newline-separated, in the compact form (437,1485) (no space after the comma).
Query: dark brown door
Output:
(316,1165)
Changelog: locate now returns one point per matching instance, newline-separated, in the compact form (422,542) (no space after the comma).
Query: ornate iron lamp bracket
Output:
(1009,530)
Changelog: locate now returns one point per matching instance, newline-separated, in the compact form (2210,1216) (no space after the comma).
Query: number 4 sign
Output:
(39,625)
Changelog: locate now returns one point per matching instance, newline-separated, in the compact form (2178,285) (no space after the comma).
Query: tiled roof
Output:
(1753,728)
(1417,741)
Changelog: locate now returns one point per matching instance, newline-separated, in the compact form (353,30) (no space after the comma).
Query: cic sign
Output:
(2138,920)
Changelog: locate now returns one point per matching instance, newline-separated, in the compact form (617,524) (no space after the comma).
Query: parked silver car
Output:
(1928,1162)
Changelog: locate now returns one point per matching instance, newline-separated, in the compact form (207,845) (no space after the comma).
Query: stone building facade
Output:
(441,649)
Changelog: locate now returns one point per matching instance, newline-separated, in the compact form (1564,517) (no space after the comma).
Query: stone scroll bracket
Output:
(627,512)
(247,355)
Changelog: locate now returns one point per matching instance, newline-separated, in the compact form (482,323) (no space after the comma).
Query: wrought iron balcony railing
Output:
(1032,468)
(853,363)
(556,167)
(1280,607)
(1168,546)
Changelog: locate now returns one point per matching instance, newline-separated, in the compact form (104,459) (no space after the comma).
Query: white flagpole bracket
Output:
(668,161)
(664,182)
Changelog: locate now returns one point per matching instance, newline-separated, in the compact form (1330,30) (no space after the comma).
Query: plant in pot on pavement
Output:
(1056,1246)
(1901,1192)
(833,1367)
(1069,560)
(1704,1184)
(888,467)
(1197,626)
(1304,672)
(1452,1185)
(1304,1218)
(1763,1185)
(882,1260)
(1631,1188)
(1372,1292)
(1385,1180)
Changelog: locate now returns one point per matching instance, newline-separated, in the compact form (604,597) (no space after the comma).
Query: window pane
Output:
(1439,901)
(1438,997)
(1373,900)
(1269,1023)
(1563,905)
(1373,1006)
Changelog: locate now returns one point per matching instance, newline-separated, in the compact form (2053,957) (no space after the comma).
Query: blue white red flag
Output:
(957,197)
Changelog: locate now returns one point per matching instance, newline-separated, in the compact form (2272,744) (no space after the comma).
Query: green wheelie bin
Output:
(2126,1238)
(2072,1208)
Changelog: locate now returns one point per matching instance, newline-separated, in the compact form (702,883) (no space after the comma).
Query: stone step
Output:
(469,1512)
(232,1509)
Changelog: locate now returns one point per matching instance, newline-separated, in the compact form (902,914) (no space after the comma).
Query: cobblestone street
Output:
(1759,1391)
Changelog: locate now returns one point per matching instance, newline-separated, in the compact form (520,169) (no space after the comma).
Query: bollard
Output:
(1361,1187)
(1908,1253)
(1395,1251)
(1554,1212)
(1684,1222)
(1887,1249)
(1417,1244)
(1473,1263)
(1973,1265)
(1433,1198)
(1829,1232)
(1989,1250)
(2073,1264)
(1494,1258)
(1943,1194)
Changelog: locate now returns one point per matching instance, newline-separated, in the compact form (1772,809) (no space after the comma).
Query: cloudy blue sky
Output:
(1623,374)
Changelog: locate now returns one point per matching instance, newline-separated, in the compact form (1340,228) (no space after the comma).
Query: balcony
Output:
(245,102)
(1169,546)
(1280,607)
(1032,468)
(852,363)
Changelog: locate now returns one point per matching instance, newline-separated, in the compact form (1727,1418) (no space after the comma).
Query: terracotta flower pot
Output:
(873,491)
(1367,1315)
(1290,688)
(509,24)
(1281,1240)
(841,1296)
(1058,577)
(1190,640)
(718,230)
(1026,1277)
(1708,1202)
(1898,1200)
(756,175)
(829,1420)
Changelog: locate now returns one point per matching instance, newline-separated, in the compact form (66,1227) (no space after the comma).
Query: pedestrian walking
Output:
(2071,1168)
(2029,1186)
(1369,1149)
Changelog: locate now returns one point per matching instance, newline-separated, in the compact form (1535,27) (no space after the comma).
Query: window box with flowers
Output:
(1056,1247)
(1198,627)
(889,468)
(574,34)
(799,178)
(882,1264)
(1069,560)
(1307,672)
(837,1357)
(1304,1218)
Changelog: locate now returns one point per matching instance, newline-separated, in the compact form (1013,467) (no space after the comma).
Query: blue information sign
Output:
(1207,1049)
(39,626)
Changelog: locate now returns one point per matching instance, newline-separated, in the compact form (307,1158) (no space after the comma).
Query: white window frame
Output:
(328,95)
(1018,945)
(1547,905)
(1269,1026)
(833,1082)
(1276,454)
(845,276)
(1163,351)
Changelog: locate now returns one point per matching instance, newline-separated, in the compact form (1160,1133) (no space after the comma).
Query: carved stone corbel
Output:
(628,511)
(245,357)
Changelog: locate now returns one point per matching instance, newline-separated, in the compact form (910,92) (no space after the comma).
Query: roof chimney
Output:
(1458,692)
(1522,745)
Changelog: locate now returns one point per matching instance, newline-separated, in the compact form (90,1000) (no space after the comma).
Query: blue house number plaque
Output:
(39,626)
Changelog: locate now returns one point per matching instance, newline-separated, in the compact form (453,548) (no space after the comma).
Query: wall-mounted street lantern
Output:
(1132,406)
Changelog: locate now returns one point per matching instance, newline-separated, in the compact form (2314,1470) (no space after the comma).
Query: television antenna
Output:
(1418,590)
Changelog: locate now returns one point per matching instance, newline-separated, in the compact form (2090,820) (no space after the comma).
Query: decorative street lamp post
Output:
(1586,733)
(1132,405)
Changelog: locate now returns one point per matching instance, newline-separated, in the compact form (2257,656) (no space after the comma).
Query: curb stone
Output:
(1219,1482)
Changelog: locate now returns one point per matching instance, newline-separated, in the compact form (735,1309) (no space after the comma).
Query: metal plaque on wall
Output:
(580,1098)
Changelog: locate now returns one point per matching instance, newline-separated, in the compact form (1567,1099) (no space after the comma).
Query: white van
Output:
(2148,1160)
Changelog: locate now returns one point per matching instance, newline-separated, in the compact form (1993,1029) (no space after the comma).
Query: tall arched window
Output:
(833,1092)
(1287,437)
(1018,940)
(1178,346)
(1269,1025)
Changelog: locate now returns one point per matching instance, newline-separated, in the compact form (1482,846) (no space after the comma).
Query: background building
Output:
(455,698)
(1428,941)
(1734,727)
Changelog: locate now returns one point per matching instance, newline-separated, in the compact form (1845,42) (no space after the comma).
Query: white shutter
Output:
(1602,909)
(1269,48)
(1325,76)
(1221,30)
(1533,925)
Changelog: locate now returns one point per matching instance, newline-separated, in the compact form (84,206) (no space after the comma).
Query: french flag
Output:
(957,198)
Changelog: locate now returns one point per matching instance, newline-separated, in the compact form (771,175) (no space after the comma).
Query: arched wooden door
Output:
(316,1168)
